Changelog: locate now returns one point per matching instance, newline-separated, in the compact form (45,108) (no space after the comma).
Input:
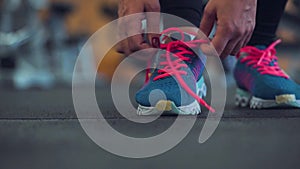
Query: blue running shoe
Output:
(261,82)
(176,85)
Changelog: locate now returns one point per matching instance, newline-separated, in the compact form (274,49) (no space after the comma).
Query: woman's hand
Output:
(133,25)
(235,21)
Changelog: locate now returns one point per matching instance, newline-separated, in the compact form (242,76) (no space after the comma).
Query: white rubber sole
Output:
(169,107)
(245,99)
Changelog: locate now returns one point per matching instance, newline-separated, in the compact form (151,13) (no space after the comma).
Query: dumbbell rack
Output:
(22,41)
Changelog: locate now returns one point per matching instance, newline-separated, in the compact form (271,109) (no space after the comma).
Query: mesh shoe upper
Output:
(190,68)
(257,71)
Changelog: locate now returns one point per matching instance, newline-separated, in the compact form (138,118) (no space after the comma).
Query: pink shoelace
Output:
(173,67)
(261,59)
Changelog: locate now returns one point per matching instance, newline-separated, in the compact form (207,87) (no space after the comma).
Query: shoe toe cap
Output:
(271,87)
(149,96)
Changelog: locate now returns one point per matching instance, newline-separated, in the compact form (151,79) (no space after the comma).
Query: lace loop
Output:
(265,61)
(175,61)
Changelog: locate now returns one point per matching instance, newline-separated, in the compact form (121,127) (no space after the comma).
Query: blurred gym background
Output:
(40,40)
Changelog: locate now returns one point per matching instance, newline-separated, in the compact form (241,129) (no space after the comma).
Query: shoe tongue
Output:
(178,36)
(261,47)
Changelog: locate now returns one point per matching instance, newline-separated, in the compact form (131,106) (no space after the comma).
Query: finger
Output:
(137,42)
(122,45)
(220,40)
(123,48)
(122,37)
(153,26)
(153,17)
(208,21)
(247,39)
(128,25)
(237,48)
(229,48)
(235,44)
(153,20)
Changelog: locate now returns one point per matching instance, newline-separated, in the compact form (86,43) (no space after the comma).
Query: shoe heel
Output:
(201,88)
(242,98)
